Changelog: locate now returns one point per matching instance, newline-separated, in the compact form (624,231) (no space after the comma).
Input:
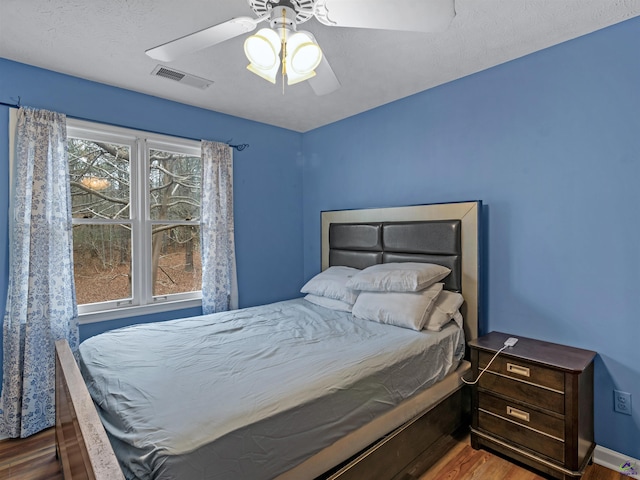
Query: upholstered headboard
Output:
(445,234)
(360,245)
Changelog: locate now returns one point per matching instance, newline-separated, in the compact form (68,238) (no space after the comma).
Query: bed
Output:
(358,437)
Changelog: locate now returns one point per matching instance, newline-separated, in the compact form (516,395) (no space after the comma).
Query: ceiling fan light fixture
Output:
(263,49)
(303,52)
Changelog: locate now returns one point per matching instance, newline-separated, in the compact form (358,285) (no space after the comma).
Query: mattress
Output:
(252,393)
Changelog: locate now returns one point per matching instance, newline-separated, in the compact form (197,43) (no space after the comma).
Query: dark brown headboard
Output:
(445,234)
(360,245)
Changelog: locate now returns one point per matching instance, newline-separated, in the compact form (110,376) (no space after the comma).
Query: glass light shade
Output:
(293,77)
(266,73)
(262,49)
(303,53)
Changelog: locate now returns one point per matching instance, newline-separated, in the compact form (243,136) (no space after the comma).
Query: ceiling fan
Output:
(297,51)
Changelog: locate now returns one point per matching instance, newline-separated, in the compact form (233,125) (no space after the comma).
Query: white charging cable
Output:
(510,342)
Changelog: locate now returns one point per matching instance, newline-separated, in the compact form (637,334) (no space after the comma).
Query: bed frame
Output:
(349,237)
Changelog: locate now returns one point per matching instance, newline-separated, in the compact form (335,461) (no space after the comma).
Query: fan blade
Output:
(324,81)
(208,37)
(405,15)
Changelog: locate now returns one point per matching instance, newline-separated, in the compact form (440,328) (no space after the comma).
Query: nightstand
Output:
(534,404)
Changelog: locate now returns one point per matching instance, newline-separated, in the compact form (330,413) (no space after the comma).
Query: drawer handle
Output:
(524,371)
(514,412)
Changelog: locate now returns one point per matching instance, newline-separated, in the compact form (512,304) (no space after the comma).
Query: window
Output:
(135,200)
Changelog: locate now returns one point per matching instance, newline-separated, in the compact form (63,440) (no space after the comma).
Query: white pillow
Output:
(398,277)
(331,283)
(403,309)
(457,317)
(443,310)
(330,303)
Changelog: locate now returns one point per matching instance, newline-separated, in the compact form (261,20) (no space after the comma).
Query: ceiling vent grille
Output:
(181,77)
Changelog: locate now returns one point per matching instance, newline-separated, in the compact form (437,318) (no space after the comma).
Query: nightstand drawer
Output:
(523,392)
(513,432)
(523,370)
(528,417)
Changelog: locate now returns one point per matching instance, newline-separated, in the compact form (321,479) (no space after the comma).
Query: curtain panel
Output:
(219,282)
(41,304)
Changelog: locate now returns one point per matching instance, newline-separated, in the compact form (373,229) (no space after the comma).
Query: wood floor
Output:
(461,462)
(34,458)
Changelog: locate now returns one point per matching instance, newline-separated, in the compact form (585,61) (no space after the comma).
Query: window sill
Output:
(125,312)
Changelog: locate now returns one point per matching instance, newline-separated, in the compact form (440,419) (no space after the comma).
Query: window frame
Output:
(142,301)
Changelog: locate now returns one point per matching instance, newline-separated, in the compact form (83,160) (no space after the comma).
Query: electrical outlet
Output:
(622,402)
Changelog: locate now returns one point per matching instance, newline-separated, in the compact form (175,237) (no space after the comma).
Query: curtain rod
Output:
(239,147)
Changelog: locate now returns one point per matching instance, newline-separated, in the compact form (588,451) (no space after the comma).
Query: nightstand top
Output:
(559,356)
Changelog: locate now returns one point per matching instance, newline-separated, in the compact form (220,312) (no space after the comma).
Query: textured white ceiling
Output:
(105,40)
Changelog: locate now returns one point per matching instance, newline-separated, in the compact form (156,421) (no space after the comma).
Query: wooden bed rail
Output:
(82,445)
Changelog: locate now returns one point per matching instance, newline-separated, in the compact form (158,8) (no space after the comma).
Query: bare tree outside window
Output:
(104,213)
(174,195)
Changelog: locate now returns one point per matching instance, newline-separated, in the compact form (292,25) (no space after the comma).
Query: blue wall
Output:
(551,144)
(267,176)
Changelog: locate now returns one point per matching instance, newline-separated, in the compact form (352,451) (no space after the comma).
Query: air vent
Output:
(170,74)
(181,77)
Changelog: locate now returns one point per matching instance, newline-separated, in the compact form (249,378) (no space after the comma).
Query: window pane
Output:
(174,186)
(100,179)
(102,262)
(176,264)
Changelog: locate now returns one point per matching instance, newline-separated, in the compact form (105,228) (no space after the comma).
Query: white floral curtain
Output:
(41,304)
(219,282)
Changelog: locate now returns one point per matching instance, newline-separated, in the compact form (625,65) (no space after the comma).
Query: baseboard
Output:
(615,461)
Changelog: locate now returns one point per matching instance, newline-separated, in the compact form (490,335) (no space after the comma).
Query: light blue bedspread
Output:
(248,394)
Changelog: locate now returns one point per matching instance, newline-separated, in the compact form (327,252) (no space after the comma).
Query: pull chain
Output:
(284,47)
